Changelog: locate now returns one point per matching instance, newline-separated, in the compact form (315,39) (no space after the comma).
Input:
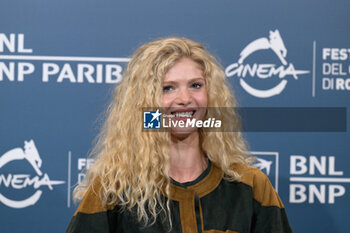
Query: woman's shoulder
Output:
(249,173)
(262,189)
(92,200)
(91,211)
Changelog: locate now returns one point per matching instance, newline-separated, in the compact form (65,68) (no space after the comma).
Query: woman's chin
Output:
(183,133)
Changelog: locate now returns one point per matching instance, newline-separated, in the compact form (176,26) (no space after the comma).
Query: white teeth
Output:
(184,114)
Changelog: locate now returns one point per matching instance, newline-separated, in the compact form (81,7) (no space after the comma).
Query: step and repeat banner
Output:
(60,61)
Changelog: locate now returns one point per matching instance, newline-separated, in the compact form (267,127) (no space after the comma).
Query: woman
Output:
(186,180)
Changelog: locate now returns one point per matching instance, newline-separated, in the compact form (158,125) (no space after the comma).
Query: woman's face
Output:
(185,92)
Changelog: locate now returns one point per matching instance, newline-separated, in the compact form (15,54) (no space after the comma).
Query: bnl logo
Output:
(151,119)
(267,162)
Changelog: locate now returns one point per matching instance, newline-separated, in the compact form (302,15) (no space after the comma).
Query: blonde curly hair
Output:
(131,165)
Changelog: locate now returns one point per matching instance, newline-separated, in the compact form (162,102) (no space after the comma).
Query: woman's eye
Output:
(197,85)
(167,88)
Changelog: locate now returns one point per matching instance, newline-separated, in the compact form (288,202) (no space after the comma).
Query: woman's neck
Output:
(187,160)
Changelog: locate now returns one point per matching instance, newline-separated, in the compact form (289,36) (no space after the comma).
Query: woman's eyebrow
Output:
(197,78)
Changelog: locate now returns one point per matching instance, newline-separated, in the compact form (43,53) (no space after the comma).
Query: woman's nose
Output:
(183,97)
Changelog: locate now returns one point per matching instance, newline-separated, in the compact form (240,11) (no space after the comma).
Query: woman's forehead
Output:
(185,67)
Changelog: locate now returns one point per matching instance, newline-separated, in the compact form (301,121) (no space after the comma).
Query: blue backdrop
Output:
(60,60)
